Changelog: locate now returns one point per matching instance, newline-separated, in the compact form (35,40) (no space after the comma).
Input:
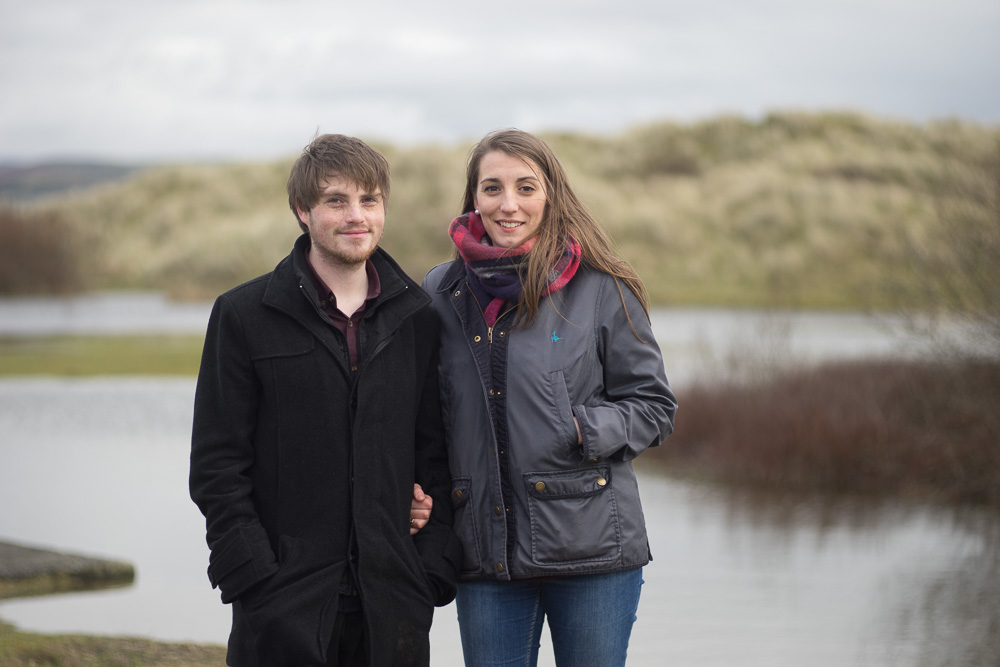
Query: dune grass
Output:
(792,210)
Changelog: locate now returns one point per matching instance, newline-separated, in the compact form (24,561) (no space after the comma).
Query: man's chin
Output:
(351,258)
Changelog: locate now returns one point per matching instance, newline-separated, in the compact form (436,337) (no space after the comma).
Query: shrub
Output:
(917,428)
(37,253)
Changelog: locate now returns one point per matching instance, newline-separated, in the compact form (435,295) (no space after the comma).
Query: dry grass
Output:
(927,429)
(794,210)
(28,649)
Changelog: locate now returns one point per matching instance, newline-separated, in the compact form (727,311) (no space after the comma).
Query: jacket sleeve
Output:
(638,406)
(439,548)
(222,453)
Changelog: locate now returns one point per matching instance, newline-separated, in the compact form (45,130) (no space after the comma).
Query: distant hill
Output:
(819,210)
(29,182)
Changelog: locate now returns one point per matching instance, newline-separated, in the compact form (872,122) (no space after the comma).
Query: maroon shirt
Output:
(346,323)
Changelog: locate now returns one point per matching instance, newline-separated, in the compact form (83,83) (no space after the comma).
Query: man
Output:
(316,414)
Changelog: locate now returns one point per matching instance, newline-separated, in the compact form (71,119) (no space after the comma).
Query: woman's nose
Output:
(508,204)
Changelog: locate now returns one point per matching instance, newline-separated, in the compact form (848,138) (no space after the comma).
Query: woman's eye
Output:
(491,189)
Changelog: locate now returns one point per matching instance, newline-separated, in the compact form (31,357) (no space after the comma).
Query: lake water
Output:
(99,466)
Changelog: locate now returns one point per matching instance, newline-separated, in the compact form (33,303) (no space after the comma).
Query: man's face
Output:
(346,224)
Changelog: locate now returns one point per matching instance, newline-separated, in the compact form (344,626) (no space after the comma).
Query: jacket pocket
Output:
(573,516)
(465,523)
(292,613)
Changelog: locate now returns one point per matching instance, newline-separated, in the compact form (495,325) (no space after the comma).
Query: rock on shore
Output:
(27,571)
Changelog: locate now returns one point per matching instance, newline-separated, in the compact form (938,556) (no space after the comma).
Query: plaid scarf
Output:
(496,269)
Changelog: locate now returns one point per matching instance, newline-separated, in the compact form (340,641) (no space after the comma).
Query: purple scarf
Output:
(497,268)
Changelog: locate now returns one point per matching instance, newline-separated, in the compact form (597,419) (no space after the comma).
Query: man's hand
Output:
(420,509)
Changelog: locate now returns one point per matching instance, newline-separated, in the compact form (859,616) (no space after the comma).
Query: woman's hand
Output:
(420,509)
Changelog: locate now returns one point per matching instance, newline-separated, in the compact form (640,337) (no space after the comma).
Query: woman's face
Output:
(510,198)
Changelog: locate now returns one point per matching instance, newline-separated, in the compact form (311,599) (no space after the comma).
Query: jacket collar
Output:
(453,275)
(291,291)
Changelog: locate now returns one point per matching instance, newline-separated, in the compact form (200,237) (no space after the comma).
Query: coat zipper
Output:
(489,329)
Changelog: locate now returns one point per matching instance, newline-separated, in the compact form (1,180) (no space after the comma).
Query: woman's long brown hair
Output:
(565,217)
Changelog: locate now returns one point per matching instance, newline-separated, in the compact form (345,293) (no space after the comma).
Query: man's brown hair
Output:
(335,155)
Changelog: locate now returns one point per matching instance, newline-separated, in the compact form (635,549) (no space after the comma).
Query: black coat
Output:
(297,465)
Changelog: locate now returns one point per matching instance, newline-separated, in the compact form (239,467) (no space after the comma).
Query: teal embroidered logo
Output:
(555,338)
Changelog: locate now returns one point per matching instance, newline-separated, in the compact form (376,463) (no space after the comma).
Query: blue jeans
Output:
(590,619)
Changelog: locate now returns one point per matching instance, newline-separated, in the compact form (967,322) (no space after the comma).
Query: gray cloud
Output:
(253,79)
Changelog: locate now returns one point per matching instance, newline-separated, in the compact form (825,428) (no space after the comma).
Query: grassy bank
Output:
(791,210)
(29,649)
(918,429)
(100,355)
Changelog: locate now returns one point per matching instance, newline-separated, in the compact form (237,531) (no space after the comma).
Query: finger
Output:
(418,492)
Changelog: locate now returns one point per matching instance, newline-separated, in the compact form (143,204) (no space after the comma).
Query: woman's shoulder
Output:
(443,276)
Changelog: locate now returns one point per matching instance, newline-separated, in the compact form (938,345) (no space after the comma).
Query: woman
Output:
(551,383)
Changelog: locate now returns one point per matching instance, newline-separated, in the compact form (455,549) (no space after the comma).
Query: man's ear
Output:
(303,216)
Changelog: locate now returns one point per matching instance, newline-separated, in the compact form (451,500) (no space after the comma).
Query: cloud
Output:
(220,79)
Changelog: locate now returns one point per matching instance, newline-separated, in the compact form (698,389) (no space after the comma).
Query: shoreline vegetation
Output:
(920,429)
(796,211)
(31,649)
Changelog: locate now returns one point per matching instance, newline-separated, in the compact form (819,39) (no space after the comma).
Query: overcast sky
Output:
(142,80)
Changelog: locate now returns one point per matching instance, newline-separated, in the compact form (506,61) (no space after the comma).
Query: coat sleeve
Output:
(439,548)
(222,453)
(637,407)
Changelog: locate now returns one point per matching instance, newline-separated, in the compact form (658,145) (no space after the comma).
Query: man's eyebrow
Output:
(344,195)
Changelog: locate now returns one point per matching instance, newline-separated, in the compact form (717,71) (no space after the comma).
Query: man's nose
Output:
(355,213)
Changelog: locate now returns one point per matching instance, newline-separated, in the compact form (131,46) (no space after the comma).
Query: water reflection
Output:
(894,583)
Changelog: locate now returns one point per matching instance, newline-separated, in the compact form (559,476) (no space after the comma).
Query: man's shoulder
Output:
(250,291)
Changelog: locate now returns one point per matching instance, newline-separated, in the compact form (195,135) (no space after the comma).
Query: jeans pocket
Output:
(573,516)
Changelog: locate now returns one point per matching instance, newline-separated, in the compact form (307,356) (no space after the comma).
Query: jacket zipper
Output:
(489,329)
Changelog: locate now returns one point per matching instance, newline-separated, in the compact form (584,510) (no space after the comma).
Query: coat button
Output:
(458,493)
(601,481)
(497,510)
(457,292)
(477,338)
(539,486)
(499,567)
